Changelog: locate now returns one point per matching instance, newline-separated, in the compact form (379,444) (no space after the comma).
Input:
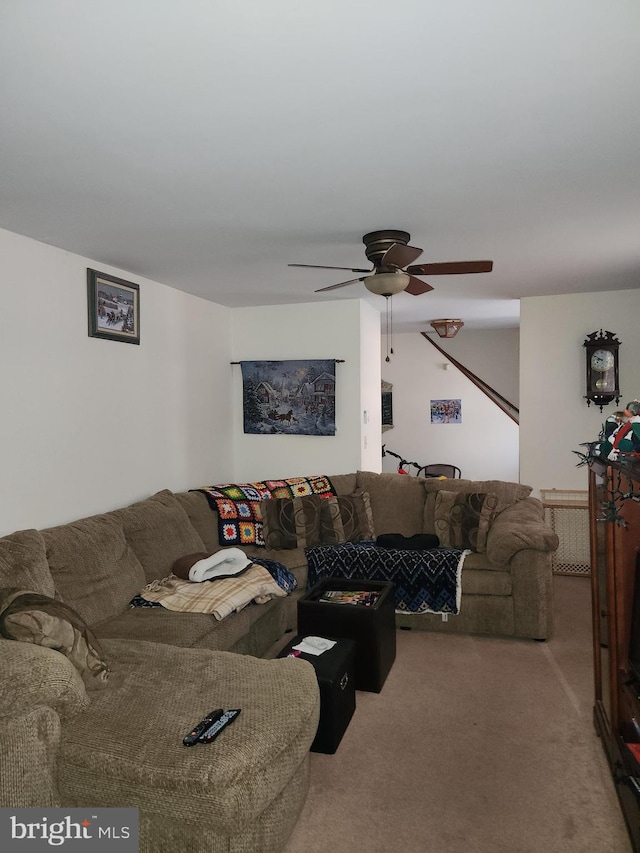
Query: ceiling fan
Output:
(393,269)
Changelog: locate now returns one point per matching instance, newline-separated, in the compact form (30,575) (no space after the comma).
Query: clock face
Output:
(601,360)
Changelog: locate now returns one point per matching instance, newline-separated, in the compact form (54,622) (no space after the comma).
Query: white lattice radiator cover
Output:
(567,513)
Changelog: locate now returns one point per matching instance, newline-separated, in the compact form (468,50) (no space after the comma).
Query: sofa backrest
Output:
(94,568)
(23,562)
(99,563)
(397,502)
(202,517)
(159,531)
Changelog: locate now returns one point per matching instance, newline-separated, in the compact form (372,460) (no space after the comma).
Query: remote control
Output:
(225,720)
(202,726)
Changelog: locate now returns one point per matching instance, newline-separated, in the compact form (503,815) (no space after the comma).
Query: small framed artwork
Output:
(387,406)
(446,411)
(114,308)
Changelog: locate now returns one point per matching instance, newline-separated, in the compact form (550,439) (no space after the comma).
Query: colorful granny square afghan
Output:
(237,504)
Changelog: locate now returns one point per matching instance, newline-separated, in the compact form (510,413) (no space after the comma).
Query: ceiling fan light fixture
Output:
(387,283)
(447,328)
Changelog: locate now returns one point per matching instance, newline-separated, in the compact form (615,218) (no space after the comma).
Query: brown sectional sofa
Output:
(61,744)
(506,591)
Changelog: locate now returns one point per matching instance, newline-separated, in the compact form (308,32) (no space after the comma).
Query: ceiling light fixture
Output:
(447,328)
(387,283)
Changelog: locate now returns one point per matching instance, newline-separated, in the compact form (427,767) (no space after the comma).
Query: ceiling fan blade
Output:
(451,268)
(340,284)
(399,255)
(416,287)
(319,267)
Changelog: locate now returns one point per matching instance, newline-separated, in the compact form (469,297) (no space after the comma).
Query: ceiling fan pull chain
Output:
(391,322)
(387,326)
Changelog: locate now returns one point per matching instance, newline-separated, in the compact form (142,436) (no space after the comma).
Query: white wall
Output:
(483,446)
(370,389)
(555,418)
(87,424)
(346,329)
(493,355)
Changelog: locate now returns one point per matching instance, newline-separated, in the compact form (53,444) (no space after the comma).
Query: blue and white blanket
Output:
(424,581)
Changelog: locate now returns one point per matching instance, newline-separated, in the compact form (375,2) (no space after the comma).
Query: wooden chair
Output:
(451,471)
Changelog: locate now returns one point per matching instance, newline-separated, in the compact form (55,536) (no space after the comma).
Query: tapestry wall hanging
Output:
(292,397)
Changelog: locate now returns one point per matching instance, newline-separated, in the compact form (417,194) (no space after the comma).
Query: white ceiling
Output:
(206,144)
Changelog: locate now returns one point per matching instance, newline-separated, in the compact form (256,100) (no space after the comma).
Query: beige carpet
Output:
(474,745)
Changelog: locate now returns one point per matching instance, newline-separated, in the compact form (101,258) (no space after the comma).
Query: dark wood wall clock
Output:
(603,382)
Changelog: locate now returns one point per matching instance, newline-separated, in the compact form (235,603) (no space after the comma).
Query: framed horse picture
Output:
(114,308)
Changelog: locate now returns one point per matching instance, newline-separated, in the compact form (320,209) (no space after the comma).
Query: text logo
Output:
(77,830)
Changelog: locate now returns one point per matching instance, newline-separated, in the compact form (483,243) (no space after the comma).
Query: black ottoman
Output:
(334,671)
(373,628)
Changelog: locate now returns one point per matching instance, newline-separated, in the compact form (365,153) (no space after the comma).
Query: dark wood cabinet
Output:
(615,549)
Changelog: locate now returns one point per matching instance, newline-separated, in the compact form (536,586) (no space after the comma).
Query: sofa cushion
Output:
(347,518)
(159,531)
(23,562)
(397,502)
(506,493)
(482,582)
(221,597)
(33,618)
(480,577)
(39,676)
(202,517)
(187,630)
(94,568)
(461,519)
(225,786)
(344,484)
(289,523)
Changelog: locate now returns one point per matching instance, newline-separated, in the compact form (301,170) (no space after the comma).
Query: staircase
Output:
(501,402)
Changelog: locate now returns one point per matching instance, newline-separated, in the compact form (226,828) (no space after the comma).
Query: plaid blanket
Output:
(424,581)
(220,597)
(237,504)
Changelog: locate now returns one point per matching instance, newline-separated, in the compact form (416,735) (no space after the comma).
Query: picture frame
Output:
(387,406)
(114,308)
(446,411)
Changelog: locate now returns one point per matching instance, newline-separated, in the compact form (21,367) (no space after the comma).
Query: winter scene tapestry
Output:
(292,397)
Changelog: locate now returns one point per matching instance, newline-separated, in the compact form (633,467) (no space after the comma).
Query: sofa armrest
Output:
(519,527)
(29,748)
(32,676)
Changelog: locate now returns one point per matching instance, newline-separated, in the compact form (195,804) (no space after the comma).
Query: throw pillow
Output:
(347,518)
(462,519)
(33,618)
(507,493)
(291,522)
(417,542)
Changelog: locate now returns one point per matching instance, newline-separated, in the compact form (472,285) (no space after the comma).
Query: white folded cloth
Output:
(315,645)
(222,564)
